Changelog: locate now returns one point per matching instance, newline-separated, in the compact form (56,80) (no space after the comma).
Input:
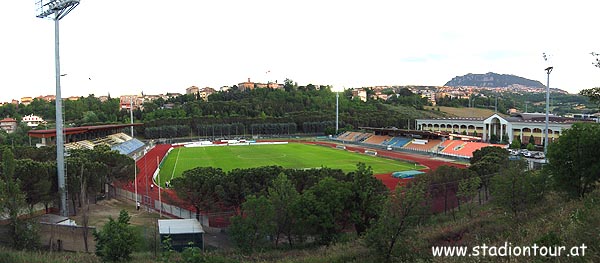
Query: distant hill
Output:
(492,79)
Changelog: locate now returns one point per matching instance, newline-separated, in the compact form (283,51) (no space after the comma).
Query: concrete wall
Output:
(68,238)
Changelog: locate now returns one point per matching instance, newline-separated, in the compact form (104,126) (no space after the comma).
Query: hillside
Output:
(465,112)
(491,79)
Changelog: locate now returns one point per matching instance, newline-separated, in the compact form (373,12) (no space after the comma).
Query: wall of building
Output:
(67,238)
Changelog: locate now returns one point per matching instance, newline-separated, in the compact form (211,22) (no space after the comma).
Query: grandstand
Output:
(354,136)
(418,141)
(423,145)
(463,149)
(128,147)
(119,142)
(399,141)
(376,139)
(88,137)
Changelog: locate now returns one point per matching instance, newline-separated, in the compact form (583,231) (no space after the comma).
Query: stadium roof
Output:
(50,133)
(394,129)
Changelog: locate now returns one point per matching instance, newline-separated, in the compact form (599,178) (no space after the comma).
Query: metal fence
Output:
(160,207)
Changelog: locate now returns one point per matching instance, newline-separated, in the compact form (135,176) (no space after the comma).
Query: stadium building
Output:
(88,137)
(518,126)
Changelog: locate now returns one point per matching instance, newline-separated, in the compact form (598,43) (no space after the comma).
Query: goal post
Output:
(371,152)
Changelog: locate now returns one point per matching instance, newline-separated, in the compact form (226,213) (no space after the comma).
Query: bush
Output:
(530,147)
(116,241)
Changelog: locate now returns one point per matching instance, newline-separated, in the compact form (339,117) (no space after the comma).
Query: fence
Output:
(158,206)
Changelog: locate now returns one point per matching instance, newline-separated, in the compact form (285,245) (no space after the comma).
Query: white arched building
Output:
(521,125)
(32,120)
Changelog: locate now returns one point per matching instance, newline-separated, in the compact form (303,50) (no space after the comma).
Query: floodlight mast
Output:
(548,71)
(55,10)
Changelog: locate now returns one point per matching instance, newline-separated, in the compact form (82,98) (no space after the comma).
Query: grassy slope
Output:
(465,112)
(293,155)
(412,113)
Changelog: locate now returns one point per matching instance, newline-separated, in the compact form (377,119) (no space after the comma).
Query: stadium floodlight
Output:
(55,10)
(58,8)
(337,112)
(548,71)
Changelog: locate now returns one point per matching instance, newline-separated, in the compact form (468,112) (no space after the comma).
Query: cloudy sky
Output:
(126,47)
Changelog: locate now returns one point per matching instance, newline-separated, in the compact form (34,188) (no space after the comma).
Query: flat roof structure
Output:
(179,226)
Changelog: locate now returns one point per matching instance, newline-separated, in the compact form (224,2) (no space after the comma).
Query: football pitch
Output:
(292,155)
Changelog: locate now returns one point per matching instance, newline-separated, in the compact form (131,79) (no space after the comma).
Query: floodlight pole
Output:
(57,9)
(134,159)
(60,149)
(337,112)
(548,70)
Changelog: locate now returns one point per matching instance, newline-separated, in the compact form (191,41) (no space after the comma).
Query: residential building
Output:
(248,85)
(205,92)
(103,98)
(26,100)
(193,90)
(126,101)
(8,124)
(47,98)
(32,120)
(359,93)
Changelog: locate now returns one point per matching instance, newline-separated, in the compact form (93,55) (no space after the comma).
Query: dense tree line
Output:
(83,111)
(29,177)
(295,109)
(286,203)
(274,111)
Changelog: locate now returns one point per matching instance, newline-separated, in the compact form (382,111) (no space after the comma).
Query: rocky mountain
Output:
(492,79)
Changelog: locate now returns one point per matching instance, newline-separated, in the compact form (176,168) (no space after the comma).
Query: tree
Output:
(404,209)
(283,196)
(117,239)
(531,139)
(468,188)
(197,186)
(323,209)
(516,144)
(256,223)
(573,159)
(35,180)
(530,147)
(593,94)
(23,233)
(516,189)
(368,197)
(486,162)
(444,184)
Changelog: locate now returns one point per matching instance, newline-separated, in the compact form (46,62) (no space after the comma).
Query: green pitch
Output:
(292,155)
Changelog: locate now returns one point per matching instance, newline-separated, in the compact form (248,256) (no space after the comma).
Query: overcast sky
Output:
(126,47)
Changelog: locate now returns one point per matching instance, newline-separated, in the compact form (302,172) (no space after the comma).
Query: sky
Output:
(135,46)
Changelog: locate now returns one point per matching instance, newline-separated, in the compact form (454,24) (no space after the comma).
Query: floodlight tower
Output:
(337,112)
(548,71)
(55,10)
